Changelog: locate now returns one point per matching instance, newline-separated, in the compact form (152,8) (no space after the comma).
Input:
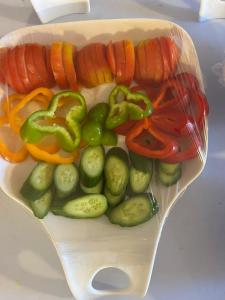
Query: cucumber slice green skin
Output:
(92,165)
(134,211)
(41,206)
(114,200)
(168,168)
(141,163)
(86,207)
(169,179)
(66,178)
(116,170)
(38,182)
(97,189)
(139,180)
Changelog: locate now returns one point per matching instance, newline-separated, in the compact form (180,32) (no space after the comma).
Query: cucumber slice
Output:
(97,189)
(92,165)
(89,206)
(113,200)
(141,163)
(168,168)
(169,179)
(139,180)
(66,178)
(41,206)
(134,211)
(116,170)
(38,182)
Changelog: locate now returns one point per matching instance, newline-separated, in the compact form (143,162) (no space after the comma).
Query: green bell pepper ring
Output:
(69,138)
(129,108)
(118,115)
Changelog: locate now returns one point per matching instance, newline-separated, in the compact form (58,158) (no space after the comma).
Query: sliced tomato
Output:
(173,54)
(91,75)
(110,53)
(95,52)
(120,62)
(68,62)
(33,75)
(40,64)
(142,65)
(80,67)
(130,61)
(137,74)
(6,69)
(102,62)
(17,83)
(57,65)
(165,59)
(48,65)
(154,61)
(21,67)
(2,54)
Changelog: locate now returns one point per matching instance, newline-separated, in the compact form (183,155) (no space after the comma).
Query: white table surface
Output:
(190,262)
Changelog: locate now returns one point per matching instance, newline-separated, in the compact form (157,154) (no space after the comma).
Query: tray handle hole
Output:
(110,279)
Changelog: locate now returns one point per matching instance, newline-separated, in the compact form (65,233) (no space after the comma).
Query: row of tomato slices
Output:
(29,66)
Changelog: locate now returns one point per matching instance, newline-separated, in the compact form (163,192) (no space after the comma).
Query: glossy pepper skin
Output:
(69,139)
(168,144)
(128,109)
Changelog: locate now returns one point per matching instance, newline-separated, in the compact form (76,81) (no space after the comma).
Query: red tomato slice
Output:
(68,62)
(96,57)
(141,59)
(57,65)
(48,65)
(111,57)
(39,61)
(89,62)
(137,74)
(16,81)
(154,61)
(33,74)
(130,61)
(2,54)
(102,63)
(5,65)
(173,54)
(21,67)
(164,54)
(85,69)
(120,62)
(80,67)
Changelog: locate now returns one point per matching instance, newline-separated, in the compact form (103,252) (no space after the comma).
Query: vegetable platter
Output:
(103,127)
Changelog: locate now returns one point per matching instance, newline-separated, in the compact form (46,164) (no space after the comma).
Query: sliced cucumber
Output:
(169,179)
(66,178)
(38,182)
(89,206)
(168,168)
(139,180)
(41,206)
(113,200)
(97,189)
(116,170)
(92,165)
(141,163)
(134,211)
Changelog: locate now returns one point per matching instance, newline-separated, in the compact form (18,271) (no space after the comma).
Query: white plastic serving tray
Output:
(86,246)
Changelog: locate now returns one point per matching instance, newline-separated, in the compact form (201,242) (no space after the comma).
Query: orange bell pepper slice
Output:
(56,158)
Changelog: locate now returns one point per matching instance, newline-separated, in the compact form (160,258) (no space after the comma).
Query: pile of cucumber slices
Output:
(115,184)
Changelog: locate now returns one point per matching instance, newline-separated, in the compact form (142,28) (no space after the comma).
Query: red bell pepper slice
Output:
(190,147)
(173,122)
(172,94)
(168,144)
(124,128)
